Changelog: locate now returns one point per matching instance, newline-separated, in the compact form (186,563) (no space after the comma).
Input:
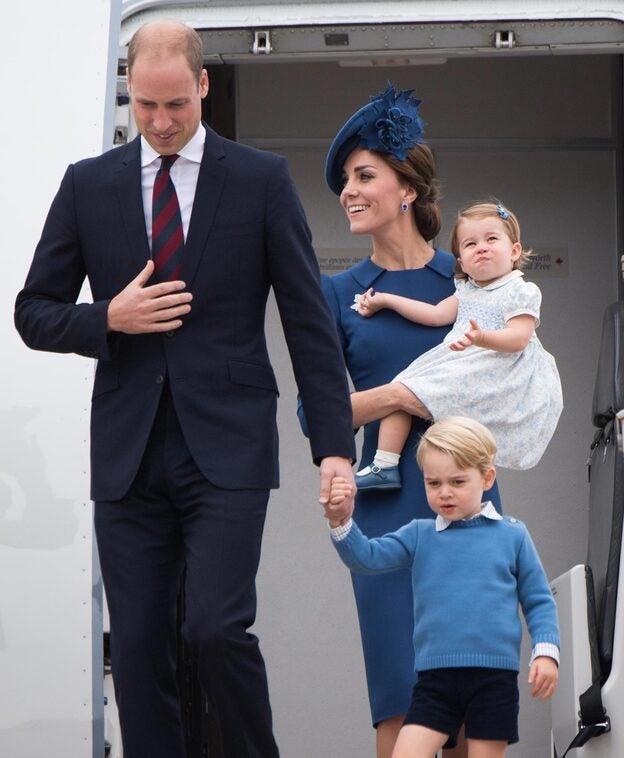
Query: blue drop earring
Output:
(404,207)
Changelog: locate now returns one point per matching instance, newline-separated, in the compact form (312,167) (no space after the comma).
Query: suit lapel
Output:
(129,196)
(212,175)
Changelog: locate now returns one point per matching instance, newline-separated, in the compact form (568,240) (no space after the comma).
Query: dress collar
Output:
(487,510)
(515,274)
(366,272)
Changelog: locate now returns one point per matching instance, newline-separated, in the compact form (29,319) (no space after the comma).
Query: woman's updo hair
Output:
(418,170)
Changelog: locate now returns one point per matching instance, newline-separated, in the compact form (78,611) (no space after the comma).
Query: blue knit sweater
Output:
(468,582)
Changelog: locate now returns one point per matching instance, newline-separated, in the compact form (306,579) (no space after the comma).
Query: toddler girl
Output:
(491,366)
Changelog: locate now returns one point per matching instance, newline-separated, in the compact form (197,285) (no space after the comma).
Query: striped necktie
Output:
(167,232)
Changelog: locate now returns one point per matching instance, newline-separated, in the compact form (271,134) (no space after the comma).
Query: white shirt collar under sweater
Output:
(487,510)
(338,533)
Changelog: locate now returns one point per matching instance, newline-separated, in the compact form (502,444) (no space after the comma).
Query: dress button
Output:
(160,379)
(170,333)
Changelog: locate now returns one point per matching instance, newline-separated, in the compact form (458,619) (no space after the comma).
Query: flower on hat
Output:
(392,123)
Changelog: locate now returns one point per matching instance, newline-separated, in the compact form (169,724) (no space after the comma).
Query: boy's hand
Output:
(543,675)
(341,469)
(340,490)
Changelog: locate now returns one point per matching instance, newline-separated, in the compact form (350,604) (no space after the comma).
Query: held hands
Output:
(338,501)
(543,675)
(471,337)
(138,309)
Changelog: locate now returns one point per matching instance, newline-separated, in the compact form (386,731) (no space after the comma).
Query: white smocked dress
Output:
(516,395)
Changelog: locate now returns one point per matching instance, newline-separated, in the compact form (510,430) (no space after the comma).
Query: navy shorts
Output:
(485,700)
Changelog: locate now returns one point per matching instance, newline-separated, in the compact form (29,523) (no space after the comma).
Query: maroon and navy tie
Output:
(167,232)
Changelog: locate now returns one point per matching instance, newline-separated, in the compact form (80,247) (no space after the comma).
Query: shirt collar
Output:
(487,510)
(192,151)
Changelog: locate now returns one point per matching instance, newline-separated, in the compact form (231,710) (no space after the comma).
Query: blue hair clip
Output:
(392,123)
(502,211)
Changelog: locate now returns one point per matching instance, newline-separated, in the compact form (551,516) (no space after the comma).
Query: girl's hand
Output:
(543,675)
(369,303)
(471,337)
(340,490)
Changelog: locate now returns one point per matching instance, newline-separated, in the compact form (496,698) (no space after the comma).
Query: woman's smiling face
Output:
(372,193)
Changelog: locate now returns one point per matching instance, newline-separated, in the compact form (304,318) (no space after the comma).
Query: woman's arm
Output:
(378,402)
(441,314)
(512,338)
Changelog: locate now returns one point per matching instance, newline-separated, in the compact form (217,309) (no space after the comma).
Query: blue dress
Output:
(376,349)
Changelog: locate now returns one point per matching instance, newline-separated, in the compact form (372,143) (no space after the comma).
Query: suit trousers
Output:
(172,519)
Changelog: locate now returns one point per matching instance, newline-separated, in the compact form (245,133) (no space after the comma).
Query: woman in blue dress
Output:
(385,177)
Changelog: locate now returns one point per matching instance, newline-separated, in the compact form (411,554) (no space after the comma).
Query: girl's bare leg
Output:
(394,431)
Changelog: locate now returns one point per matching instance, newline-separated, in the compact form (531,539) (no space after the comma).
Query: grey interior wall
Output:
(537,132)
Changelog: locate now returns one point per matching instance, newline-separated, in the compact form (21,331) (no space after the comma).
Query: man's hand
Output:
(340,511)
(138,309)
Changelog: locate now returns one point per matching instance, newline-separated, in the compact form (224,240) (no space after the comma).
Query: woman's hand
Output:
(378,402)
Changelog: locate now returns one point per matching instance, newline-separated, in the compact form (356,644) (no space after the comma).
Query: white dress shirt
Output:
(184,175)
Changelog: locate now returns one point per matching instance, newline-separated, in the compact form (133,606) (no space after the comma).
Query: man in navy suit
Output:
(183,430)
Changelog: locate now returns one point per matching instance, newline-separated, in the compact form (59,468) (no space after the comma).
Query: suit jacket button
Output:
(160,379)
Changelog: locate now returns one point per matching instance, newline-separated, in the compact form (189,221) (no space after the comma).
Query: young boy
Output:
(470,569)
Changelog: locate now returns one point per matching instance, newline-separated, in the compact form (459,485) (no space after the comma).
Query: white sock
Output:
(383,459)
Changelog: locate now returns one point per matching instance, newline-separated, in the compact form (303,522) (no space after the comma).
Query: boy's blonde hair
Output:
(490,209)
(469,443)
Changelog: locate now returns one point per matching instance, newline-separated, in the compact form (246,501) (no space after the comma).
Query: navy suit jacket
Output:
(247,233)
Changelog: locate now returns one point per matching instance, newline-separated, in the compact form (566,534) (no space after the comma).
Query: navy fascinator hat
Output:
(390,123)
